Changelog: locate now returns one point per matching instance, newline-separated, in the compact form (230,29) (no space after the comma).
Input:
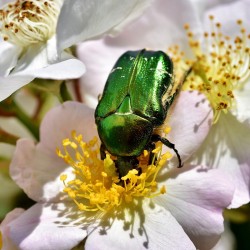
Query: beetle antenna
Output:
(167,143)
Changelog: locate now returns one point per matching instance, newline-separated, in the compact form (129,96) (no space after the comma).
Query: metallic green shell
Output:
(124,133)
(134,101)
(144,76)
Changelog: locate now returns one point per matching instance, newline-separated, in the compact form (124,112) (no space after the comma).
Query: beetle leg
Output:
(167,143)
(102,151)
(125,163)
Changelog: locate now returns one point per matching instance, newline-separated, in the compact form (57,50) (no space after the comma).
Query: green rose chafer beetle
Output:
(136,98)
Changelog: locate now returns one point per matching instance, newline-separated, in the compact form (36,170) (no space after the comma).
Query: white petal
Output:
(81,20)
(36,168)
(38,56)
(9,84)
(242,109)
(3,2)
(203,6)
(159,27)
(8,57)
(190,120)
(196,198)
(46,226)
(35,57)
(36,62)
(227,148)
(63,70)
(152,228)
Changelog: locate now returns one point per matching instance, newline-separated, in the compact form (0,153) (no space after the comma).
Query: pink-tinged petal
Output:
(45,226)
(62,120)
(82,20)
(227,240)
(157,29)
(36,168)
(7,244)
(99,60)
(36,171)
(227,148)
(153,228)
(196,198)
(190,121)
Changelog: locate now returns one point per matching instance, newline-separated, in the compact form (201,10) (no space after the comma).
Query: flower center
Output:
(29,22)
(220,66)
(96,184)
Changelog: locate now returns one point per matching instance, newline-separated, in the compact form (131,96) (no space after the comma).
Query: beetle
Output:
(136,98)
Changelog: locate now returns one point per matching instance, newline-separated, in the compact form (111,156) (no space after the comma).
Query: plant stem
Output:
(64,93)
(26,120)
(7,138)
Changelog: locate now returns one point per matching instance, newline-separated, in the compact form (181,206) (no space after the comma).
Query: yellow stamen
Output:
(167,130)
(97,186)
(63,177)
(219,67)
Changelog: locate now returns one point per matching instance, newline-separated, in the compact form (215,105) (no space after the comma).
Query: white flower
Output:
(28,48)
(228,85)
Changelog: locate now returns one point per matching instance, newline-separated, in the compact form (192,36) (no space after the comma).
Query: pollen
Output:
(167,130)
(96,185)
(220,65)
(29,22)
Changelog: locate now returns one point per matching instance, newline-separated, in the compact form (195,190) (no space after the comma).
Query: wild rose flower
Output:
(30,36)
(218,52)
(165,212)
(222,73)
